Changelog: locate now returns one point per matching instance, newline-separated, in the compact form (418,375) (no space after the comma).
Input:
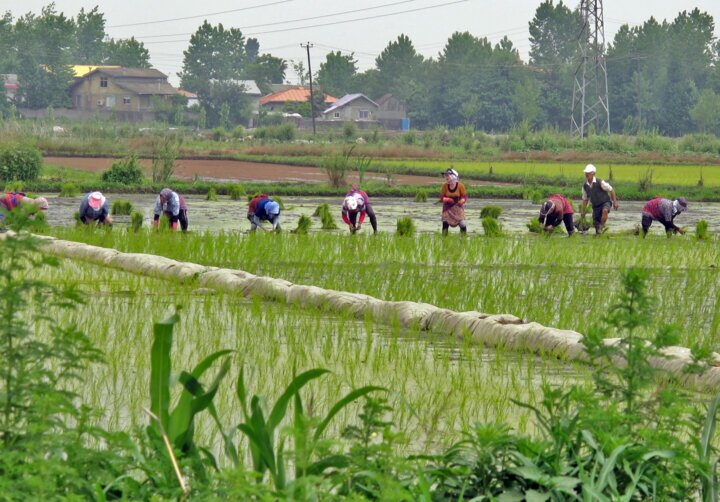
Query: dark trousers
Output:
(446,227)
(647,221)
(567,219)
(181,217)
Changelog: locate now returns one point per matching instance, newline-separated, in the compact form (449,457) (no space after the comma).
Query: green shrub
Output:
(136,221)
(122,207)
(336,166)
(701,231)
(238,132)
(219,134)
(19,162)
(491,212)
(491,227)
(409,138)
(421,195)
(14,186)
(405,226)
(236,192)
(126,172)
(645,181)
(211,194)
(68,190)
(349,130)
(303,226)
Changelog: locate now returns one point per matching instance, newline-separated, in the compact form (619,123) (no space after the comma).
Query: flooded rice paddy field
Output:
(229,215)
(437,386)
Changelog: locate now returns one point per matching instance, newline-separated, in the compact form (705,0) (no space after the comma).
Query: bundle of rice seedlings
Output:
(534,226)
(421,195)
(326,218)
(211,194)
(701,231)
(136,221)
(491,227)
(68,190)
(491,212)
(303,226)
(236,192)
(405,226)
(122,207)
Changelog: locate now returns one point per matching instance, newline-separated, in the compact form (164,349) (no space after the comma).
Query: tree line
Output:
(662,76)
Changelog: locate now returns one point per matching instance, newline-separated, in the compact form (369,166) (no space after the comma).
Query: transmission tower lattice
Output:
(590,91)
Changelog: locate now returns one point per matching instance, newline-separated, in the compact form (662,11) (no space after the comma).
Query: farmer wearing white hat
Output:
(664,211)
(263,208)
(601,195)
(94,207)
(453,196)
(11,200)
(172,205)
(354,208)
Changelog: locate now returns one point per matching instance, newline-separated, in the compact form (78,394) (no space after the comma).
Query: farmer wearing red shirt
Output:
(664,211)
(555,210)
(354,208)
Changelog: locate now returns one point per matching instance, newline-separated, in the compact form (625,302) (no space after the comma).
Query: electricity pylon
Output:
(590,91)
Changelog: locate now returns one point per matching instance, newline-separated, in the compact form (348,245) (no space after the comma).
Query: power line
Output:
(200,15)
(294,20)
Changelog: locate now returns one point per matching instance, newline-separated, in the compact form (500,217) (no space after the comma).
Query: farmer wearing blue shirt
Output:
(94,207)
(173,206)
(263,208)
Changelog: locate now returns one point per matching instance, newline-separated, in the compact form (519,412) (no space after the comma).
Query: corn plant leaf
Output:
(330,462)
(338,406)
(278,411)
(160,369)
(709,429)
(606,474)
(241,392)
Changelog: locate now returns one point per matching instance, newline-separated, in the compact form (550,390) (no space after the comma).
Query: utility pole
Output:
(590,91)
(312,96)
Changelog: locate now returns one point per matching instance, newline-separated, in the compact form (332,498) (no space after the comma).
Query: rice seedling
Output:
(122,207)
(136,221)
(326,217)
(421,195)
(405,226)
(534,226)
(211,194)
(236,192)
(303,225)
(491,227)
(701,231)
(491,212)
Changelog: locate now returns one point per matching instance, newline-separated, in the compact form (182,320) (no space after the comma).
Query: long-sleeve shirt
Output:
(88,213)
(457,194)
(659,209)
(171,206)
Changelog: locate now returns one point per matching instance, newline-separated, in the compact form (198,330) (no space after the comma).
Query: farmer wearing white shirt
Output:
(601,195)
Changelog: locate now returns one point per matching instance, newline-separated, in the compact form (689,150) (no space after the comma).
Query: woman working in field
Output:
(453,196)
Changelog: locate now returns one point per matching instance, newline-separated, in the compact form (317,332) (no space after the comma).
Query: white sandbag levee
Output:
(493,330)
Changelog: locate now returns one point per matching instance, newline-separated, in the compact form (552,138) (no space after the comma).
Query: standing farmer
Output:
(263,208)
(174,207)
(94,207)
(601,195)
(664,211)
(354,208)
(11,200)
(555,210)
(453,196)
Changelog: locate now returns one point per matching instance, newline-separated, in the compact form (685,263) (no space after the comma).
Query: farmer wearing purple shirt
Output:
(664,211)
(173,206)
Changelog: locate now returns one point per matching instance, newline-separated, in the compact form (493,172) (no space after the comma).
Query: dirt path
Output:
(231,170)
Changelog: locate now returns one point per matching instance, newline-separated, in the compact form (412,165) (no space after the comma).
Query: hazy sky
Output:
(364,28)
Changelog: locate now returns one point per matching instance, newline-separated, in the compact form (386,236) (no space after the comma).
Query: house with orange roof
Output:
(277,100)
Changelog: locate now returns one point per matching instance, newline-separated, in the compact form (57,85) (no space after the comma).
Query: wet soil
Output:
(229,215)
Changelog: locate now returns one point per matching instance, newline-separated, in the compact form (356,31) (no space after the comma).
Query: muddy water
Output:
(226,214)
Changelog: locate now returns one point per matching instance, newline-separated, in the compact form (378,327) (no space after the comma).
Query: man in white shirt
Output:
(601,195)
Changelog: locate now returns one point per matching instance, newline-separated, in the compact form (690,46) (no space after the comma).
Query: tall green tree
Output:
(706,112)
(398,66)
(129,53)
(554,56)
(265,70)
(337,74)
(214,53)
(89,37)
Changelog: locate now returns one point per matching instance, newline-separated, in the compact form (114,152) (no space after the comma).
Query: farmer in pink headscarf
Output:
(95,208)
(453,196)
(354,208)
